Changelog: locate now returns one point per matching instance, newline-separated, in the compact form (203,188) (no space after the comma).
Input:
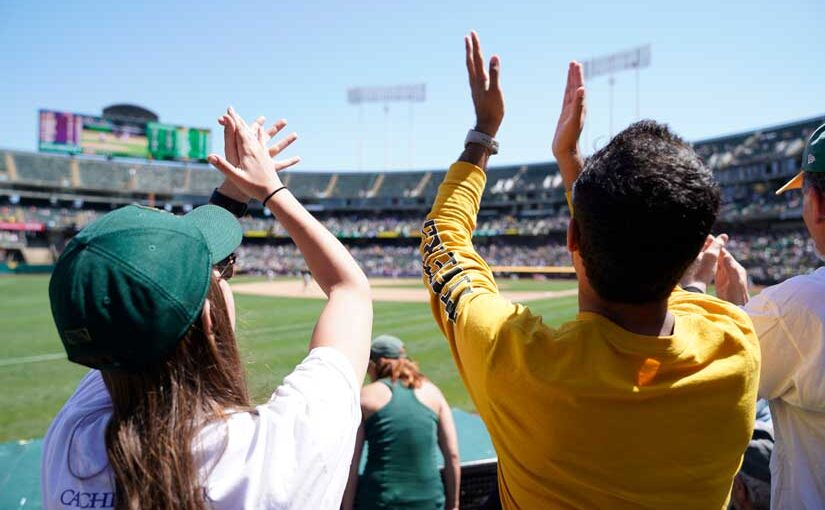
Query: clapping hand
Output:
(731,279)
(487,97)
(248,165)
(569,127)
(701,271)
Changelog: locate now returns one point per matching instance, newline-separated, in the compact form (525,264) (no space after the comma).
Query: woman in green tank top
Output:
(405,421)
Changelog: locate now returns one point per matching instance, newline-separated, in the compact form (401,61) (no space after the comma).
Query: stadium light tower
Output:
(635,58)
(413,93)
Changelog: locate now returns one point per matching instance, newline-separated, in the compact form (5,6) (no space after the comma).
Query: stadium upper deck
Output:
(746,164)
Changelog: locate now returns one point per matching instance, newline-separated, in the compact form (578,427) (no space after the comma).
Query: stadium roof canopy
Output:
(129,112)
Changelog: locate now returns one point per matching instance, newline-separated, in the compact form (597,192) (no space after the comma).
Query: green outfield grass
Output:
(273,334)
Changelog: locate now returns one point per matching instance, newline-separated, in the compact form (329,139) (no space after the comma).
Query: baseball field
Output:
(275,320)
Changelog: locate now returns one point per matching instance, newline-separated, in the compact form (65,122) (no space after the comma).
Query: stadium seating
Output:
(521,202)
(160,179)
(203,180)
(4,171)
(354,185)
(103,175)
(400,184)
(42,169)
(307,185)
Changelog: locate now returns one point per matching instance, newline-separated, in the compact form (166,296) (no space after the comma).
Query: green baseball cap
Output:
(387,346)
(129,285)
(813,160)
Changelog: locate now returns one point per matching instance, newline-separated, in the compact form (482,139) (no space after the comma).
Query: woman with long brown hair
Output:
(406,419)
(164,419)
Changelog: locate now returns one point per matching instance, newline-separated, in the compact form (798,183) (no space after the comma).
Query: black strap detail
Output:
(691,288)
(230,204)
(272,195)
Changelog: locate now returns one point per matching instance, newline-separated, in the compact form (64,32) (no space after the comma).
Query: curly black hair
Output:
(644,205)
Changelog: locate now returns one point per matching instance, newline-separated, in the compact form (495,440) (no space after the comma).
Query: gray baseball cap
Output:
(387,346)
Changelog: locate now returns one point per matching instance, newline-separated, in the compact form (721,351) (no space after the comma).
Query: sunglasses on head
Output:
(226,267)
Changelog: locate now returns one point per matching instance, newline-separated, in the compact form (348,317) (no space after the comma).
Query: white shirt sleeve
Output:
(295,451)
(325,376)
(793,351)
(322,398)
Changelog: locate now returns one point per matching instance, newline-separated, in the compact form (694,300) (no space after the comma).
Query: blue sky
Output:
(717,68)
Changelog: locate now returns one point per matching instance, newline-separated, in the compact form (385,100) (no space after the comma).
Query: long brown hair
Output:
(158,413)
(403,369)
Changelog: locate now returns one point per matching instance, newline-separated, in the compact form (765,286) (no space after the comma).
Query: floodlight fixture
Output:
(409,93)
(633,59)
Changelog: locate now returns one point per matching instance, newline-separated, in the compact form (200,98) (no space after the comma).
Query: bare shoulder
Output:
(374,396)
(430,395)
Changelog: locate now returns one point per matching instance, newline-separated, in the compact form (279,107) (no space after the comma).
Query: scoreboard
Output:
(73,133)
(177,143)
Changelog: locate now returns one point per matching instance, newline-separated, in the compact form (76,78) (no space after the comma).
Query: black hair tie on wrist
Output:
(272,195)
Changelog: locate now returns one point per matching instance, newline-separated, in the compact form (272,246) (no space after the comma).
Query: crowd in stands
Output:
(396,261)
(772,257)
(383,225)
(52,218)
(751,201)
(769,256)
(783,142)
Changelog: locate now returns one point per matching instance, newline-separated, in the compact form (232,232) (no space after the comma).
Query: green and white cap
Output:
(128,286)
(813,160)
(387,346)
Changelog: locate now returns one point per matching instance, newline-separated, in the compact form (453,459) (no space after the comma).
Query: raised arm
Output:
(346,320)
(463,293)
(569,128)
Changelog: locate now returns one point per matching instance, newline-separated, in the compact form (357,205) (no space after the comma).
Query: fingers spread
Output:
(223,165)
(283,144)
(283,165)
(276,128)
(258,122)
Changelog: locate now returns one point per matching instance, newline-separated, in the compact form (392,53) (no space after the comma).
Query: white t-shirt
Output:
(790,321)
(294,453)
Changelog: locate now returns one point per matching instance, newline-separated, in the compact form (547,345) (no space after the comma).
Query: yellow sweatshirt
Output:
(589,415)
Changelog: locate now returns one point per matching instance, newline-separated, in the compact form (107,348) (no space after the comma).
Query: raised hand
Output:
(487,96)
(227,188)
(731,279)
(248,165)
(569,127)
(702,270)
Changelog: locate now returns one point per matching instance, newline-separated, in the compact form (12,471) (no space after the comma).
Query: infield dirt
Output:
(383,289)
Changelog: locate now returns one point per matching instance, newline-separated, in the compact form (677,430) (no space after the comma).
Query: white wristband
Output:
(487,141)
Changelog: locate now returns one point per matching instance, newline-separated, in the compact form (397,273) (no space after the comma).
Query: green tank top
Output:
(402,466)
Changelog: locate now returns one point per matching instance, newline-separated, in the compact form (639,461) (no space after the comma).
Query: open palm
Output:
(571,121)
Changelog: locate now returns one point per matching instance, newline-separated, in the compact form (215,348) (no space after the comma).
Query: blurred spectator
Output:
(772,257)
(395,261)
(405,419)
(752,484)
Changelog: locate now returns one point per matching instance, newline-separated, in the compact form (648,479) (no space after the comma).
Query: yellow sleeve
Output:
(463,294)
